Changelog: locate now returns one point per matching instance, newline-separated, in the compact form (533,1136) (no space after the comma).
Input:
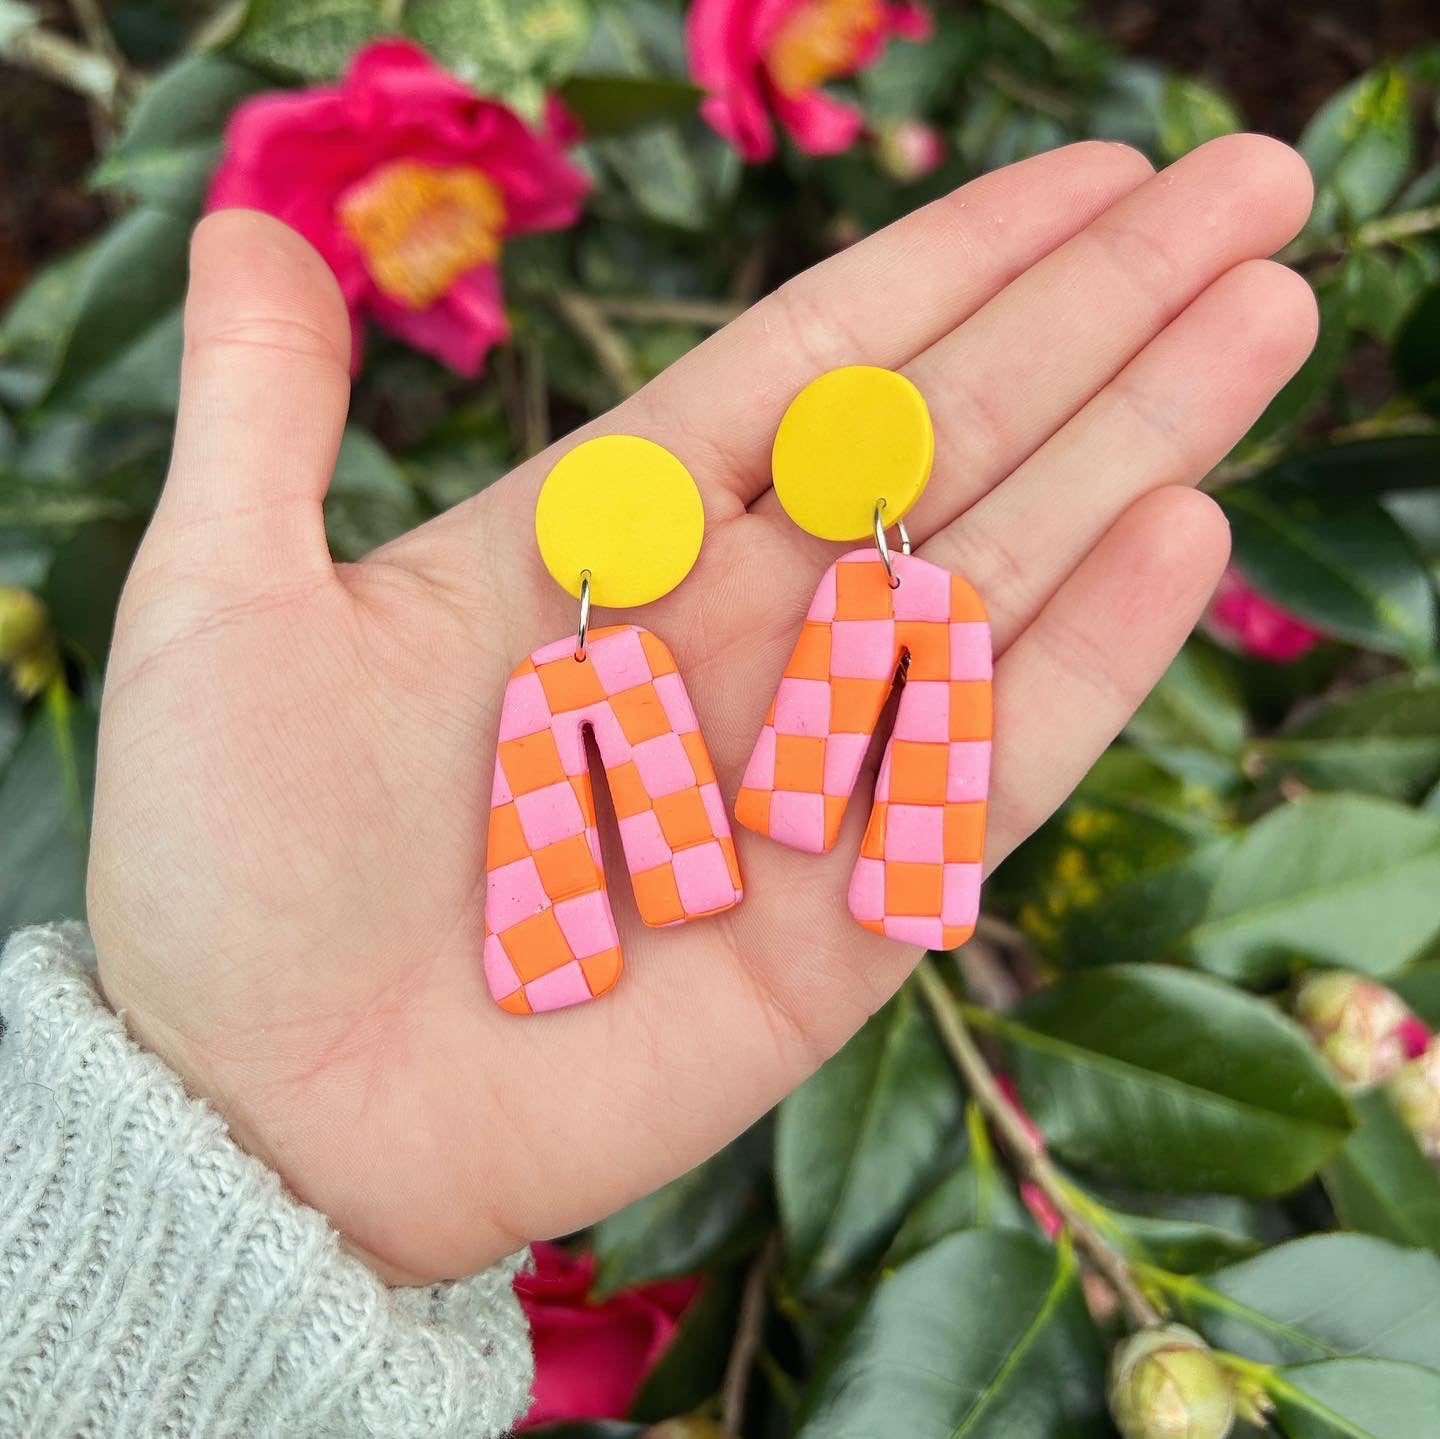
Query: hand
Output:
(288,871)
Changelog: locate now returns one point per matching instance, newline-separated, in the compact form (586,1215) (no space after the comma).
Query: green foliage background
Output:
(1255,820)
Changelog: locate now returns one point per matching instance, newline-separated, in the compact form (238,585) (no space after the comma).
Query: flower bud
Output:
(23,625)
(32,672)
(1166,1384)
(909,150)
(1415,1092)
(1364,1031)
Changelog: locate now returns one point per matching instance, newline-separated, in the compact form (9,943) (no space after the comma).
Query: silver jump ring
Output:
(882,545)
(584,614)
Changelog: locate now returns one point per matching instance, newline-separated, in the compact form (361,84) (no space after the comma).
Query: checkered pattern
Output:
(918,875)
(550,937)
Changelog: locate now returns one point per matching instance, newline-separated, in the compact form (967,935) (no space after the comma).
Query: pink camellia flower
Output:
(408,183)
(1241,614)
(764,58)
(591,1357)
(909,149)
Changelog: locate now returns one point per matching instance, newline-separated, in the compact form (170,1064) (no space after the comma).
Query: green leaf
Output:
(1183,1233)
(1380,1182)
(984,1335)
(1191,114)
(1381,289)
(82,590)
(692,1366)
(1173,1081)
(1419,987)
(1384,739)
(607,105)
(369,501)
(1416,356)
(1358,1399)
(172,139)
(1329,879)
(1360,144)
(307,39)
(684,1226)
(515,50)
(859,1140)
(1193,722)
(37,327)
(1381,466)
(1325,1296)
(1337,560)
(45,794)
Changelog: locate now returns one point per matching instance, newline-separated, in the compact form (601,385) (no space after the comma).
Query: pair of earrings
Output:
(619,523)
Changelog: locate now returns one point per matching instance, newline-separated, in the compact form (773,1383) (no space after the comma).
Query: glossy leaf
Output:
(1419,987)
(1323,1297)
(1191,114)
(37,326)
(1380,1182)
(682,1227)
(985,1335)
(1360,143)
(1183,1233)
(1330,879)
(1373,467)
(308,39)
(1338,561)
(860,1139)
(1358,1399)
(608,105)
(1416,356)
(1193,721)
(1381,290)
(1172,1081)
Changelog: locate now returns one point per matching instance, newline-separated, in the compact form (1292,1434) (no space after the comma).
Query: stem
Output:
(1026,1153)
(1372,235)
(586,318)
(748,1328)
(59,58)
(643,310)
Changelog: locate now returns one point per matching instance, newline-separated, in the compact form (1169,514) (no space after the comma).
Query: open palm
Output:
(288,876)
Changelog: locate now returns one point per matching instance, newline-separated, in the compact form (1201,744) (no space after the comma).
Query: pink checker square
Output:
(822,607)
(967,775)
(882,779)
(587,924)
(549,814)
(664,766)
(915,833)
(802,707)
(619,661)
(960,894)
(970,657)
(513,892)
(923,592)
(924,711)
(714,803)
(555,650)
(559,989)
(867,889)
(798,820)
(915,929)
(609,738)
(760,771)
(862,649)
(499,972)
(644,841)
(844,754)
(524,709)
(675,701)
(500,787)
(703,879)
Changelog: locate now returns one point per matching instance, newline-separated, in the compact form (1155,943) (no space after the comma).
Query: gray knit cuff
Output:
(155,1279)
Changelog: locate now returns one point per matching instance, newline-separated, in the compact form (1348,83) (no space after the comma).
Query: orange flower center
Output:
(820,40)
(421,228)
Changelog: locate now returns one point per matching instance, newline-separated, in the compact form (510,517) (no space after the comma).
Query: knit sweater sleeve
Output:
(157,1280)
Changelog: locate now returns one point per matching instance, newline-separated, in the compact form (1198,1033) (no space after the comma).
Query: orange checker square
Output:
(913,889)
(601,971)
(917,772)
(810,660)
(752,809)
(965,605)
(928,645)
(971,710)
(627,790)
(834,816)
(855,705)
(567,868)
(863,591)
(536,945)
(570,684)
(699,756)
(657,896)
(515,1003)
(873,845)
(505,841)
(657,655)
(732,860)
(952,936)
(964,833)
(531,762)
(584,796)
(640,713)
(683,820)
(800,763)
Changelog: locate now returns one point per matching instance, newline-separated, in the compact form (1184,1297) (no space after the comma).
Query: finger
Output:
(1071,681)
(264,387)
(1173,413)
(1008,378)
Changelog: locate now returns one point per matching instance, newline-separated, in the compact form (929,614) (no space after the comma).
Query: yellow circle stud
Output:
(626,510)
(851,438)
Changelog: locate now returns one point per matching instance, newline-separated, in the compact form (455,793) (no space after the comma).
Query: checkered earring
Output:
(851,457)
(619,521)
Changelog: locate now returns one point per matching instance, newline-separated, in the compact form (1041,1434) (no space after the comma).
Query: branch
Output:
(1372,235)
(748,1329)
(585,317)
(1025,1151)
(644,310)
(59,58)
